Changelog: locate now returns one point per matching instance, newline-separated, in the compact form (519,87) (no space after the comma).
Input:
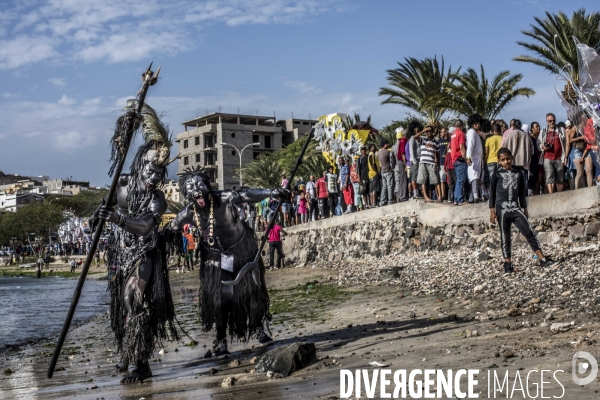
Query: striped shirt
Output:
(429,150)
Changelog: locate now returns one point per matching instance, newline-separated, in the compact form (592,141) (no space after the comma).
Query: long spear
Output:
(149,78)
(252,266)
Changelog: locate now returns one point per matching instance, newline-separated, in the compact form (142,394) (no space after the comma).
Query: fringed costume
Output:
(227,245)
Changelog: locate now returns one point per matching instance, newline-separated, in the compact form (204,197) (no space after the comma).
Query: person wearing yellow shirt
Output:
(374,169)
(492,145)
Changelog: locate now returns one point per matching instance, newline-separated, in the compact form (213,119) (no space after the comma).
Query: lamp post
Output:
(240,154)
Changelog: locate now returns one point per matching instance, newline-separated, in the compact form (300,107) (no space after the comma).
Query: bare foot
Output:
(139,374)
(122,366)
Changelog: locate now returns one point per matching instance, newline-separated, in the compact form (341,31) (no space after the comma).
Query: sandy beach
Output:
(351,325)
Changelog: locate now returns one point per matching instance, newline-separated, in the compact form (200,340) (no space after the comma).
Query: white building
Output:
(13,201)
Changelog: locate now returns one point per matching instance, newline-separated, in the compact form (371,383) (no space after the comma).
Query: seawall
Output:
(571,216)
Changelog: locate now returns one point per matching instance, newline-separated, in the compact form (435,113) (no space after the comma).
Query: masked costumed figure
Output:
(141,311)
(227,244)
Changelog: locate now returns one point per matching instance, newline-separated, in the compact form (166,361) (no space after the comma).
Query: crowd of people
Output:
(448,164)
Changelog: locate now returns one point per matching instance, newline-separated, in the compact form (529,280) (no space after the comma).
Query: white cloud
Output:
(23,50)
(8,95)
(119,31)
(58,81)
(302,87)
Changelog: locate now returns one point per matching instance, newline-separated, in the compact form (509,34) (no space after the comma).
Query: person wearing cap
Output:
(399,154)
(387,163)
(521,147)
(575,147)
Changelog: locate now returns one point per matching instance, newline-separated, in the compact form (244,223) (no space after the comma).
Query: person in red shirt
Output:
(323,196)
(275,244)
(191,246)
(458,153)
(400,179)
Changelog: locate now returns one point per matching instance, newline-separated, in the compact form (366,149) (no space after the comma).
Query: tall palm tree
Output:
(553,40)
(473,93)
(419,85)
(265,172)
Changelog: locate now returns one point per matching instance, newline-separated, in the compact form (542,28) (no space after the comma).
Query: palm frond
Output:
(554,45)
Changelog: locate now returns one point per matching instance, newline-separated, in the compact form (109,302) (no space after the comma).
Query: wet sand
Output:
(350,326)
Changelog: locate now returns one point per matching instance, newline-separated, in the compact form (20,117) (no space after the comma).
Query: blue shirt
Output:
(344,172)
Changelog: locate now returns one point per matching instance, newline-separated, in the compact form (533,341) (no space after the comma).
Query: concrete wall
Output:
(556,218)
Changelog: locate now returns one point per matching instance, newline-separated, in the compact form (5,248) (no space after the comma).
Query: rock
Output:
(483,256)
(543,324)
(208,354)
(566,293)
(287,359)
(235,363)
(479,288)
(93,387)
(424,360)
(253,360)
(577,231)
(593,229)
(228,382)
(161,352)
(549,238)
(452,317)
(508,354)
(549,317)
(561,326)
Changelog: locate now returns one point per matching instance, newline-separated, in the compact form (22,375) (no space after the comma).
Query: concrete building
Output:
(65,186)
(200,143)
(13,201)
(171,191)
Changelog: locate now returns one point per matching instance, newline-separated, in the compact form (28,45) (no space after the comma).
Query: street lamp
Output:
(240,155)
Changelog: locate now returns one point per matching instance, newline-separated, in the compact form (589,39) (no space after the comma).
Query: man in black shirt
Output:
(363,173)
(507,198)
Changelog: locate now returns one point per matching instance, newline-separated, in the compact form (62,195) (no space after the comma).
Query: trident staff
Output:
(128,127)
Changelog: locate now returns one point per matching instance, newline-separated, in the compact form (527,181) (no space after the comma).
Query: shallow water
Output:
(32,308)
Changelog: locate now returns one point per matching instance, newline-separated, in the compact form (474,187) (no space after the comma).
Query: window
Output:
(267,142)
(186,160)
(197,141)
(185,144)
(255,139)
(197,157)
(209,141)
(209,159)
(211,175)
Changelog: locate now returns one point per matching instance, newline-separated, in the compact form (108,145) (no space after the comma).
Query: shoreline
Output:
(351,324)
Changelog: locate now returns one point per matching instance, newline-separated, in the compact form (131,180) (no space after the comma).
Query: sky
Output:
(67,67)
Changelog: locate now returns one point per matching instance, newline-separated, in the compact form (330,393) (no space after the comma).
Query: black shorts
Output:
(374,184)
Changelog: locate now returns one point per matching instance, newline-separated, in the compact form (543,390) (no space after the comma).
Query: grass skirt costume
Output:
(154,321)
(248,309)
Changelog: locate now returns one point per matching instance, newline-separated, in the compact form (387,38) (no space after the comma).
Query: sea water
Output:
(32,308)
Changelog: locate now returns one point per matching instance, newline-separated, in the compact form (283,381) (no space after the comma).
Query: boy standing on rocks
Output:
(507,198)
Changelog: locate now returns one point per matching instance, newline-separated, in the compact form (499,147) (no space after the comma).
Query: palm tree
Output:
(350,122)
(419,85)
(554,42)
(313,164)
(265,171)
(475,94)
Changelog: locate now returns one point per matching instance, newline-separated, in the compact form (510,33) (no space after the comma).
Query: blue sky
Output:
(67,66)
